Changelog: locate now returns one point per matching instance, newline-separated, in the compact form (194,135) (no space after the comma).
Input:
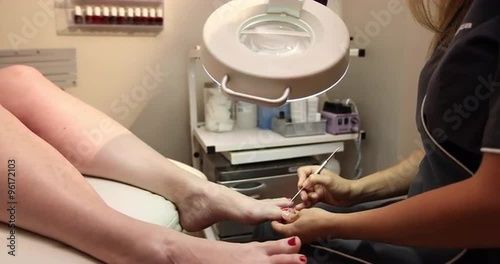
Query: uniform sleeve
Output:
(491,136)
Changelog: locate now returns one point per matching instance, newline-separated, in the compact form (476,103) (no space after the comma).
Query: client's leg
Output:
(64,207)
(99,146)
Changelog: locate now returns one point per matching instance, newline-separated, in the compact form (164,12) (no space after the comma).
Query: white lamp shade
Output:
(268,52)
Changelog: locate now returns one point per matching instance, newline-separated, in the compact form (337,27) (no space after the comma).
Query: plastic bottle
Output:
(299,111)
(266,114)
(218,109)
(246,115)
(312,109)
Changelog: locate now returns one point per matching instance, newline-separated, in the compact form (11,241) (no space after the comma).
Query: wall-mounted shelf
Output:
(137,30)
(113,2)
(109,17)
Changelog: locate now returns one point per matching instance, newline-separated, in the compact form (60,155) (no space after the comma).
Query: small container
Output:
(152,16)
(130,16)
(299,111)
(89,15)
(159,17)
(97,15)
(219,115)
(137,16)
(246,115)
(106,15)
(312,109)
(286,129)
(114,15)
(266,114)
(78,15)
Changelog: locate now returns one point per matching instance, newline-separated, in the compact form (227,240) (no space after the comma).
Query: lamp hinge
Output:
(289,7)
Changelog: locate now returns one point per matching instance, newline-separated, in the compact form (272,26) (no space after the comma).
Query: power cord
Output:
(358,171)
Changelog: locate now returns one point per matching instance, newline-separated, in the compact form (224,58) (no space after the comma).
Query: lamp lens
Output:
(279,38)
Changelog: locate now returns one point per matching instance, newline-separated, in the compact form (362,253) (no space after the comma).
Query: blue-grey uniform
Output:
(458,117)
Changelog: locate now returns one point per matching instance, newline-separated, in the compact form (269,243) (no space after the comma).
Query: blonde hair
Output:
(443,17)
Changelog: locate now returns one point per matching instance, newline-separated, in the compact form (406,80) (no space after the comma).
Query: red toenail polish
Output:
(292,242)
(285,209)
(303,259)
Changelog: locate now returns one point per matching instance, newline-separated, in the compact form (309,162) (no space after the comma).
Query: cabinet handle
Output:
(278,102)
(248,191)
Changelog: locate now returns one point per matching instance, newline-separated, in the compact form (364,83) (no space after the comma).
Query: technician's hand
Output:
(311,225)
(328,188)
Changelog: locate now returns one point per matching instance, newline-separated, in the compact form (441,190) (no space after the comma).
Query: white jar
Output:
(246,115)
(218,109)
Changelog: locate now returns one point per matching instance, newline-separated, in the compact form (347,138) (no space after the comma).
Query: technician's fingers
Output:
(304,196)
(300,207)
(318,179)
(288,259)
(303,173)
(313,196)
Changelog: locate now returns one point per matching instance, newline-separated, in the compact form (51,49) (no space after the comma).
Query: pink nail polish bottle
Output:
(152,16)
(89,15)
(159,17)
(106,19)
(78,15)
(97,15)
(130,16)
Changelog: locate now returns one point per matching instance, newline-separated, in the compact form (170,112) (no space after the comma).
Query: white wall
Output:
(383,84)
(110,67)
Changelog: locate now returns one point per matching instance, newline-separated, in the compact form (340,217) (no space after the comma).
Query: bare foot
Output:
(209,203)
(159,245)
(195,250)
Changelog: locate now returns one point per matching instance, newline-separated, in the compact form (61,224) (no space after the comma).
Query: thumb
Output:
(319,179)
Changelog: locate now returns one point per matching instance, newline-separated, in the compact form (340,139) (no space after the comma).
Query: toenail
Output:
(285,209)
(292,242)
(303,258)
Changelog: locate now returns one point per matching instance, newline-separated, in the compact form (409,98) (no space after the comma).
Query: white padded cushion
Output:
(132,201)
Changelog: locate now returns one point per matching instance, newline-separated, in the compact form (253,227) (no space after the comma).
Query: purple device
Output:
(341,123)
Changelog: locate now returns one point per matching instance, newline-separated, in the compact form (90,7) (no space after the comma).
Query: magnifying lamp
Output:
(269,52)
